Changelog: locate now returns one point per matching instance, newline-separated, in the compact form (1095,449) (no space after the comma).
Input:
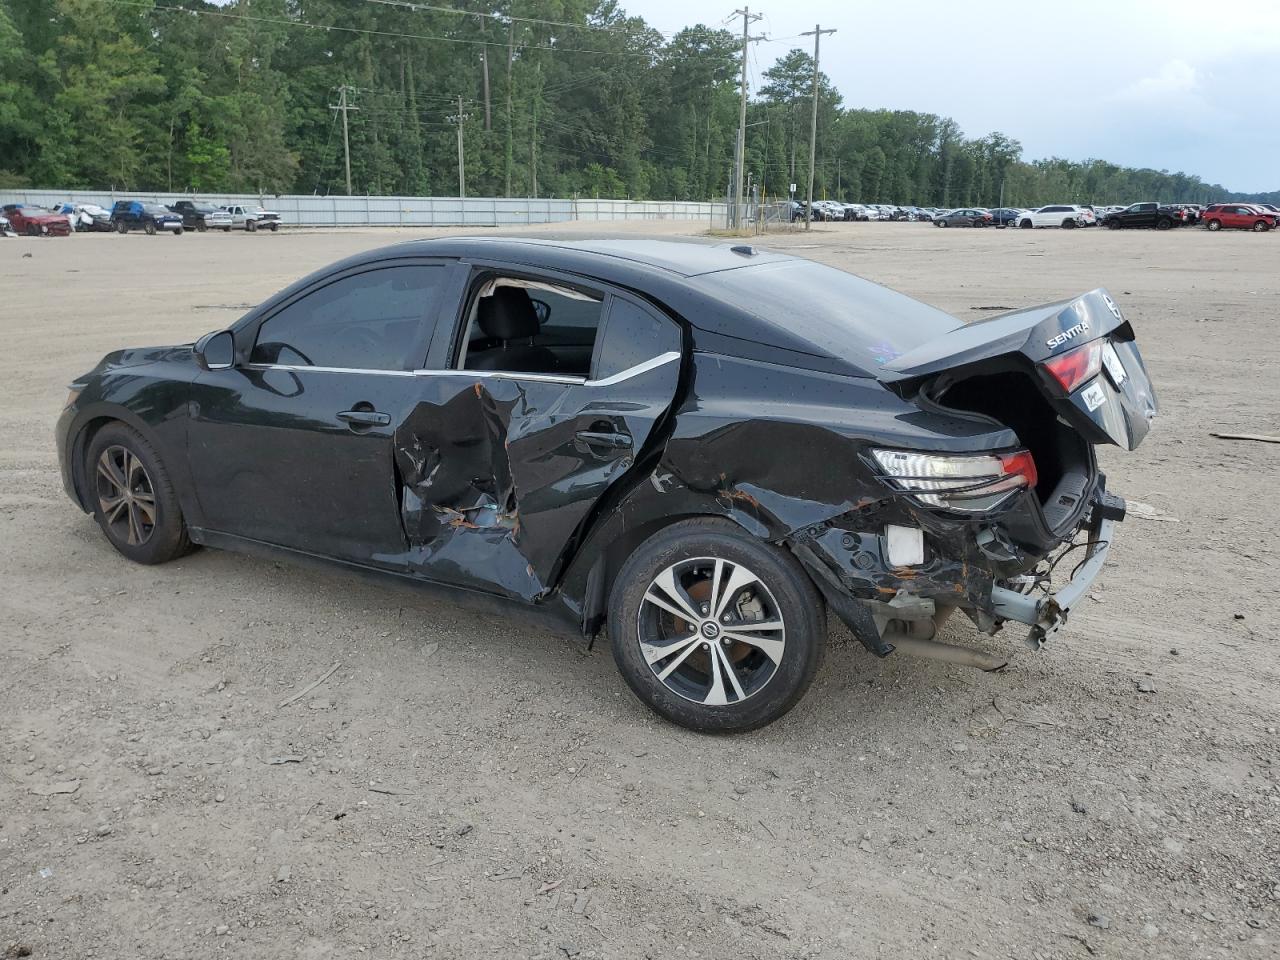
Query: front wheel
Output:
(1113,224)
(149,228)
(132,498)
(251,226)
(1024,224)
(1261,226)
(275,227)
(201,226)
(715,630)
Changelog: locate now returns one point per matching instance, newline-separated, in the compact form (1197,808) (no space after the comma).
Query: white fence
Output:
(310,211)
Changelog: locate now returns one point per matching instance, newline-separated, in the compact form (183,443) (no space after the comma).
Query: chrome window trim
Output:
(304,368)
(651,364)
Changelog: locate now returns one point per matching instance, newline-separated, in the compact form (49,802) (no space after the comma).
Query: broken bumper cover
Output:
(1048,613)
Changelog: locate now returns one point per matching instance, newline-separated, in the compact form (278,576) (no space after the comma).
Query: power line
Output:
(606,28)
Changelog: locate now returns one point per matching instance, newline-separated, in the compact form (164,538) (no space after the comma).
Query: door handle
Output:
(365,418)
(617,441)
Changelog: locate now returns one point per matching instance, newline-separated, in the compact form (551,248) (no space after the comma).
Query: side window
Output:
(518,325)
(369,321)
(633,335)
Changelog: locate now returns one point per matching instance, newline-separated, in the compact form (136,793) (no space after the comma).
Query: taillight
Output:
(1076,366)
(969,483)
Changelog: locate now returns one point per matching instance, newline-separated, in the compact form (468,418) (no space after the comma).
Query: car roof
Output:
(738,299)
(684,258)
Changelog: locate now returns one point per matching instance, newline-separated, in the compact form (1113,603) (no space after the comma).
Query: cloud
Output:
(1175,79)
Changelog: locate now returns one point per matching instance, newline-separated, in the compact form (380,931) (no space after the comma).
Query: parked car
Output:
(202,216)
(965,217)
(151,218)
(1238,216)
(252,218)
(86,217)
(411,386)
(1063,215)
(6,228)
(36,221)
(1004,216)
(1147,214)
(925,213)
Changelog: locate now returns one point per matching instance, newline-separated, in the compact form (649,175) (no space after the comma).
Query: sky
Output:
(1190,85)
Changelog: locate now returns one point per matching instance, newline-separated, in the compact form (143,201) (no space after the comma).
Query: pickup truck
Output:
(1160,216)
(251,218)
(202,216)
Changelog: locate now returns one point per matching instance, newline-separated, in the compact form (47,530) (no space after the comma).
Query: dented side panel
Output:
(498,473)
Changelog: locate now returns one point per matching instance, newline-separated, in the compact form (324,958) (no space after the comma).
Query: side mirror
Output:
(215,351)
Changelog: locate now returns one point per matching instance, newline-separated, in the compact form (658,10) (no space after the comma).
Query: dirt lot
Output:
(466,786)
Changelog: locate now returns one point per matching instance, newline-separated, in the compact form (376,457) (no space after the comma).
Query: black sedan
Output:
(964,217)
(701,448)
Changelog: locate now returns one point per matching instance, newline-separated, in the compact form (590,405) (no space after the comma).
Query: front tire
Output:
(132,497)
(251,226)
(1261,226)
(715,630)
(149,228)
(1024,224)
(201,227)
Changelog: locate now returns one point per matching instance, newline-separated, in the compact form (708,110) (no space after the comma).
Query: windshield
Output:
(836,313)
(155,209)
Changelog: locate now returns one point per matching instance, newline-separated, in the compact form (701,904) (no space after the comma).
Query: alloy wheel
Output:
(711,631)
(126,496)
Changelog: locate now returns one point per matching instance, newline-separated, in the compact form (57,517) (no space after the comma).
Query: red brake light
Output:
(1076,366)
(1020,464)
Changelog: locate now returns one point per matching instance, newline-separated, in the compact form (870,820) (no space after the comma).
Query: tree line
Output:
(554,98)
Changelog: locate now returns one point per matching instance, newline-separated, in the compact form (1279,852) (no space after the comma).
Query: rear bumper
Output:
(852,571)
(1046,614)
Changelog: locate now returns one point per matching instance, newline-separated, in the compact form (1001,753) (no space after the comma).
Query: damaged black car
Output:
(699,450)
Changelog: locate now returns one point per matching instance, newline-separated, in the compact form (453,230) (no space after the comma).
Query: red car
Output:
(1240,216)
(35,221)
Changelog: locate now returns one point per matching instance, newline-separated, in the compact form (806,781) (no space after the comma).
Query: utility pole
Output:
(460,118)
(816,33)
(739,153)
(484,62)
(346,142)
(511,35)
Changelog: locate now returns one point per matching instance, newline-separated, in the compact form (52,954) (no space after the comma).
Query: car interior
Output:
(530,326)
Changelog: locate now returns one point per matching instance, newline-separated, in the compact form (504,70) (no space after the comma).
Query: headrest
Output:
(507,314)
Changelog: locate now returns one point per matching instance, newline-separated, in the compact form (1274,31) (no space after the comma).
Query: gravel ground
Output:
(465,786)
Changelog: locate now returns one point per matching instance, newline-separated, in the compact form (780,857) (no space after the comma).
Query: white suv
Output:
(1054,215)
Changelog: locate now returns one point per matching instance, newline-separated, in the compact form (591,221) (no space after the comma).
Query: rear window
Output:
(838,314)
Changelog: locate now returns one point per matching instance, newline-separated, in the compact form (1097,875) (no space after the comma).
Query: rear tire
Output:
(132,497)
(1214,225)
(122,227)
(1069,224)
(716,679)
(1164,223)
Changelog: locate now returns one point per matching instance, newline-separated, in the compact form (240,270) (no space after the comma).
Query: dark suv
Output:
(149,217)
(202,216)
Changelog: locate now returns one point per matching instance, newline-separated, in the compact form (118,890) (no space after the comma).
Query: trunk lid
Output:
(1115,406)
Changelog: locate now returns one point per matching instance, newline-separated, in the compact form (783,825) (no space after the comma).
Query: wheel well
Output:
(78,447)
(604,570)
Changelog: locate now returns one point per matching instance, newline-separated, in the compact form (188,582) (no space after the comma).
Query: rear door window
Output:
(632,335)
